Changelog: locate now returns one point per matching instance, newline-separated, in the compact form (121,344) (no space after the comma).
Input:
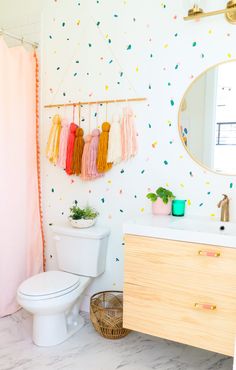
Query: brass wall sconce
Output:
(230,12)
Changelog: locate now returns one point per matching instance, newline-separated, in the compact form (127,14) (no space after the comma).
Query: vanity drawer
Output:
(206,268)
(172,314)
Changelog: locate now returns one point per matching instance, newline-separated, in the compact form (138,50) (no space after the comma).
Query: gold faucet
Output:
(224,205)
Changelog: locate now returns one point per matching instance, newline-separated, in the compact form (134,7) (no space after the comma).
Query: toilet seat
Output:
(48,285)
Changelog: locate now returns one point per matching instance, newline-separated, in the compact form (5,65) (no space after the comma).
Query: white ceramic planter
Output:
(81,224)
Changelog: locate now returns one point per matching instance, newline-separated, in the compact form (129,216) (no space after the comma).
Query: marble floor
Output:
(86,350)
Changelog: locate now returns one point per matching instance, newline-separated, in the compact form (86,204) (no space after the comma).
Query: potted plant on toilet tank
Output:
(82,217)
(161,201)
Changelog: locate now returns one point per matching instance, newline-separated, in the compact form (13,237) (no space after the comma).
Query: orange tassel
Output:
(102,164)
(78,151)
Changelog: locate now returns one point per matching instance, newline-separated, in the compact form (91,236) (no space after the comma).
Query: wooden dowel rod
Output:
(94,102)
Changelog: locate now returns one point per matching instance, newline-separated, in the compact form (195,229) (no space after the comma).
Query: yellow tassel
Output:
(52,149)
(102,164)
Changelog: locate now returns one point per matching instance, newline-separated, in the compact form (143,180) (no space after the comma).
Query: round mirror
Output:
(207,119)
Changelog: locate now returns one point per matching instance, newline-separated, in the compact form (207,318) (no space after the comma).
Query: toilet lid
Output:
(49,283)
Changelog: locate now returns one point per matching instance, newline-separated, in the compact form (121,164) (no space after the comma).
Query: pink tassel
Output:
(63,144)
(93,152)
(70,148)
(128,135)
(85,158)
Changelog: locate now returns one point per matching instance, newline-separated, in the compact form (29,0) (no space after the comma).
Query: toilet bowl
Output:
(54,297)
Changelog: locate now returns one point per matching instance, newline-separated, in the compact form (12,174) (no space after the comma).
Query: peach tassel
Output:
(102,164)
(93,152)
(78,151)
(85,158)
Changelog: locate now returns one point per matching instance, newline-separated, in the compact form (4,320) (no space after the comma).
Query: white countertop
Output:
(190,229)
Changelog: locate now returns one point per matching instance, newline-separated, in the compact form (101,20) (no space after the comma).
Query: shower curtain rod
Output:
(34,44)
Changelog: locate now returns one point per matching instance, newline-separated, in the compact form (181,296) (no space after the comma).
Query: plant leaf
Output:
(164,194)
(152,197)
(88,213)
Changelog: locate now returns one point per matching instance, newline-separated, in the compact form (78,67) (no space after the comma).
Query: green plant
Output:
(87,213)
(162,193)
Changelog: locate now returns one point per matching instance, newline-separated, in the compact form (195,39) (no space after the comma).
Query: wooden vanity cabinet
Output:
(181,291)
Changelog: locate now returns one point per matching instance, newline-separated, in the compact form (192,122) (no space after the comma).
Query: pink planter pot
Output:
(160,208)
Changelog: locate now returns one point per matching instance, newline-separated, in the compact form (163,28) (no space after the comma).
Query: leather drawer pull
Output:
(205,306)
(208,253)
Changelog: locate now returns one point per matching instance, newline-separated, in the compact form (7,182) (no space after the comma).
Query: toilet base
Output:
(50,330)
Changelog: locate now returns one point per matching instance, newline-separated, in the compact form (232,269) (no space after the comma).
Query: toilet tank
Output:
(81,251)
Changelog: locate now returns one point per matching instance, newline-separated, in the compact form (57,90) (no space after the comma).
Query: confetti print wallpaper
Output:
(103,49)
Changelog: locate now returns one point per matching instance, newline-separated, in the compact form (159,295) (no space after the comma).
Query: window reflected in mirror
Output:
(207,118)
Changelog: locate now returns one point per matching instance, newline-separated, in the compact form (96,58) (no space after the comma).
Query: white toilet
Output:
(54,297)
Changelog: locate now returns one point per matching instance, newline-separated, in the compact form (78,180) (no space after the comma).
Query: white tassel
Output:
(128,134)
(114,144)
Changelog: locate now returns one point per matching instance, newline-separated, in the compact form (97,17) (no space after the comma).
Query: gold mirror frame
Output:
(182,107)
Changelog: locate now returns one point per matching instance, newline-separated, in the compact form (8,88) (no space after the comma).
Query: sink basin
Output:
(190,229)
(206,226)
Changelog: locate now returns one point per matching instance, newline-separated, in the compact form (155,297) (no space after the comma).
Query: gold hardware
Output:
(208,253)
(195,11)
(205,306)
(230,15)
(224,205)
(229,11)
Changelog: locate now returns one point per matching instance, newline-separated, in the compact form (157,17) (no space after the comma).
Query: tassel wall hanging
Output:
(102,164)
(52,149)
(91,157)
(70,148)
(85,158)
(93,151)
(78,151)
(114,144)
(128,134)
(63,144)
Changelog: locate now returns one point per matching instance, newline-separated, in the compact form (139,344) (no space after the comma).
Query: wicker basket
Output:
(106,314)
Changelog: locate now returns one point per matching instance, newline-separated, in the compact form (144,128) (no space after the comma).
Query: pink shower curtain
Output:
(20,228)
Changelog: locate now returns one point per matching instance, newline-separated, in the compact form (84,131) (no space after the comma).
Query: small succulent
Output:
(162,193)
(87,213)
